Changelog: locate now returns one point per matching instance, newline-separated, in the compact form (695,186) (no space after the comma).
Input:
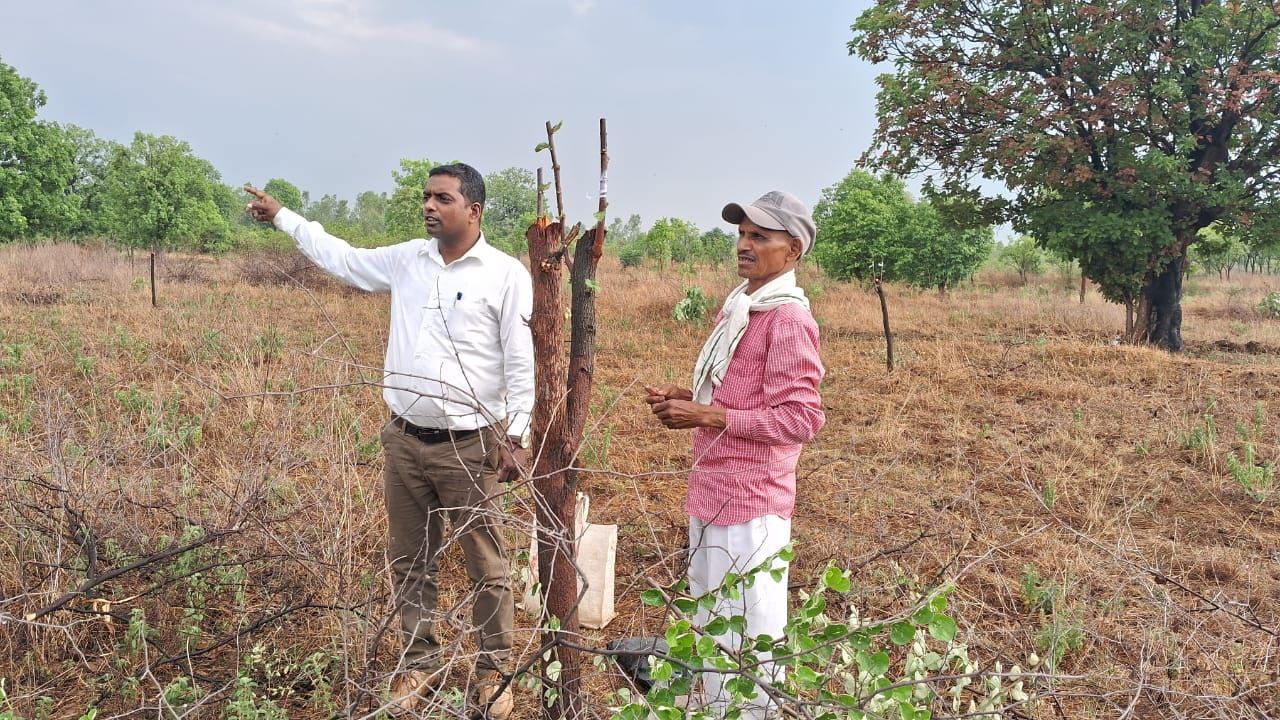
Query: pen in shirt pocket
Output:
(453,311)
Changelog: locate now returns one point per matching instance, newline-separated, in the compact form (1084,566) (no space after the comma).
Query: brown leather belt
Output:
(432,435)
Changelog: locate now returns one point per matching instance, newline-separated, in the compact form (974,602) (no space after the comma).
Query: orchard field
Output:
(193,524)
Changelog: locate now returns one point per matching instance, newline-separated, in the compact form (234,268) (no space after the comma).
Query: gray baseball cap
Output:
(776,210)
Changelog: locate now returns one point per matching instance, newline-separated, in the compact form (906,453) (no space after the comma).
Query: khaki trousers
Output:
(425,483)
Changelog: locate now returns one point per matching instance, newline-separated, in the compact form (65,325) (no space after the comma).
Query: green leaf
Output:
(707,646)
(599,216)
(923,617)
(787,554)
(738,624)
(873,664)
(836,579)
(806,677)
(717,626)
(814,606)
(661,670)
(633,711)
(556,128)
(742,687)
(592,285)
(834,631)
(652,597)
(943,628)
(539,148)
(902,633)
(685,605)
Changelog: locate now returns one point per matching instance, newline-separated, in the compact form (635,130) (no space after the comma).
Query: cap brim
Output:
(734,213)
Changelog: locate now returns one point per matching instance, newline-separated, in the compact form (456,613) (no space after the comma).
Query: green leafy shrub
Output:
(831,661)
(631,256)
(1270,305)
(693,307)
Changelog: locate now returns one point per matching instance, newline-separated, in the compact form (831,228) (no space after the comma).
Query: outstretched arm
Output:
(366,268)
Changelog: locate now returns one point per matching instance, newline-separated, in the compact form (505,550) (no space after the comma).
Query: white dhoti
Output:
(714,551)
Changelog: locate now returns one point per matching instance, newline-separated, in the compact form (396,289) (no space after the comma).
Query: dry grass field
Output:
(1078,493)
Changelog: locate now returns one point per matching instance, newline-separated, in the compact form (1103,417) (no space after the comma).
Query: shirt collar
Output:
(478,252)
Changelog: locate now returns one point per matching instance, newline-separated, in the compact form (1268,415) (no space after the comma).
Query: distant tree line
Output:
(60,180)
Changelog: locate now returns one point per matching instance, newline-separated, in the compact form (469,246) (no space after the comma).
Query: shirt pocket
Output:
(467,322)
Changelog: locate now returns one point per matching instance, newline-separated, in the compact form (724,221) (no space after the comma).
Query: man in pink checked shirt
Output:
(753,405)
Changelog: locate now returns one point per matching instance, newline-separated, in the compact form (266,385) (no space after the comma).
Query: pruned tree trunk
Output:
(582,343)
(1159,315)
(884,316)
(1083,285)
(559,418)
(554,483)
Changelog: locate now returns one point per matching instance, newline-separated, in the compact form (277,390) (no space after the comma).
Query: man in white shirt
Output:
(459,383)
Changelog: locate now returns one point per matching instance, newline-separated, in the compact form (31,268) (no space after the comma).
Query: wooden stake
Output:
(153,279)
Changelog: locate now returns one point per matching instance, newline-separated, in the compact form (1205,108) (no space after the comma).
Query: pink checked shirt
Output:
(770,392)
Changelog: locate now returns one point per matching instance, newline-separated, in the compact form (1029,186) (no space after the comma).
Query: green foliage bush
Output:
(631,256)
(832,662)
(1270,305)
(1024,256)
(693,307)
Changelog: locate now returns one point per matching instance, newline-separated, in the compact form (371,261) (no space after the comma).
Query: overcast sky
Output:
(708,101)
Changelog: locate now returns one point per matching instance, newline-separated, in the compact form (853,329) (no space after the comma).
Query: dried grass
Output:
(1003,398)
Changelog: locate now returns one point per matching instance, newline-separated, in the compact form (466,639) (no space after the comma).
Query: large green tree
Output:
(371,212)
(940,254)
(91,156)
(37,163)
(404,209)
(1023,255)
(286,192)
(510,207)
(673,239)
(159,195)
(1120,128)
(717,245)
(865,224)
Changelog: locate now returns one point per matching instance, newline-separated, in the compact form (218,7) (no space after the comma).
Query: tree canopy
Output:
(37,163)
(1120,128)
(286,192)
(869,227)
(158,194)
(510,207)
(404,209)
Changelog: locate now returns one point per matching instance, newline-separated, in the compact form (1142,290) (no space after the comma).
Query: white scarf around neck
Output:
(717,351)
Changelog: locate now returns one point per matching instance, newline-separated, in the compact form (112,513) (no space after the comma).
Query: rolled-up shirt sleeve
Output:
(792,414)
(517,345)
(366,268)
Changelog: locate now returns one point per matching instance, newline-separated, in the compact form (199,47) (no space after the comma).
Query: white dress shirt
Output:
(459,352)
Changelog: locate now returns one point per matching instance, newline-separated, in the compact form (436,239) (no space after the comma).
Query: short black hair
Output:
(470,181)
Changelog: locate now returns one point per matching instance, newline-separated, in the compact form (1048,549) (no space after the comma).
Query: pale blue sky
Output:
(707,101)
